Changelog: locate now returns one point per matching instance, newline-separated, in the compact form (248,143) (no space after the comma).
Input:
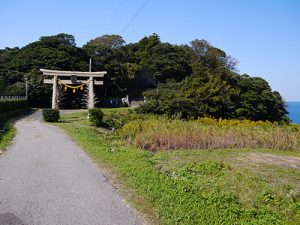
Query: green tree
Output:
(258,102)
(16,89)
(59,39)
(170,62)
(2,85)
(108,53)
(190,81)
(51,52)
(145,50)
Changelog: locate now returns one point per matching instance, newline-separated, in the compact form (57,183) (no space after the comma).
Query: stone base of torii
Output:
(87,78)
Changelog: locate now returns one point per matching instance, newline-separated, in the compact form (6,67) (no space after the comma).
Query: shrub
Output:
(117,120)
(51,115)
(11,105)
(96,116)
(10,108)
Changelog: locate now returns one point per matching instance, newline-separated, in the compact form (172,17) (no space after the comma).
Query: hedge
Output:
(7,106)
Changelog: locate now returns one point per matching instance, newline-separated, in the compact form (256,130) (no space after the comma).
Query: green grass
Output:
(6,136)
(194,186)
(110,110)
(7,128)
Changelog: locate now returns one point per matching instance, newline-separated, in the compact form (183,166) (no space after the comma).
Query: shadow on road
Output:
(10,219)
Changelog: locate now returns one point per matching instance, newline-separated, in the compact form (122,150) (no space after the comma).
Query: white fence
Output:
(11,97)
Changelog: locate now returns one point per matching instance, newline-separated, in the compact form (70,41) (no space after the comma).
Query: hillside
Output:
(188,81)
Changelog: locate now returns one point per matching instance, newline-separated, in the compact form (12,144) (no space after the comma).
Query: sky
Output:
(263,35)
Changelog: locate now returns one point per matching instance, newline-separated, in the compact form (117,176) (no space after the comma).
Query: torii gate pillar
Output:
(91,103)
(54,93)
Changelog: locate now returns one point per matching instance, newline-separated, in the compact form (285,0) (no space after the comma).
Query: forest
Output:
(185,81)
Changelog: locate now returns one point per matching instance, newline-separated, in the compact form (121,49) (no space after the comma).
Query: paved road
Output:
(46,179)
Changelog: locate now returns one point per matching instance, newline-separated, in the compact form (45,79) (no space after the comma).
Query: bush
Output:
(116,120)
(96,116)
(10,108)
(51,115)
(11,105)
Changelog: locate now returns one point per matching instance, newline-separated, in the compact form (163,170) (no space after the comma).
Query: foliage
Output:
(112,41)
(211,57)
(16,89)
(96,116)
(194,187)
(186,80)
(12,104)
(50,115)
(166,61)
(239,97)
(255,91)
(51,52)
(207,133)
(39,93)
(116,120)
(214,89)
(170,102)
(59,39)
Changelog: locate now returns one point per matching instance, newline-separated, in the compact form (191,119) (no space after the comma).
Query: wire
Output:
(115,13)
(131,20)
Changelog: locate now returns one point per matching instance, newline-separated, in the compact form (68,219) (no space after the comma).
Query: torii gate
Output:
(73,80)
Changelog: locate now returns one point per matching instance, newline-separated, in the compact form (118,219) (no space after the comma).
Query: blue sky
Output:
(263,35)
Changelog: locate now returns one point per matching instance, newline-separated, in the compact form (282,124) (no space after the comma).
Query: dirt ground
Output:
(284,161)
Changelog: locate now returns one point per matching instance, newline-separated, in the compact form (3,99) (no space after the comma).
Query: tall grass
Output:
(206,133)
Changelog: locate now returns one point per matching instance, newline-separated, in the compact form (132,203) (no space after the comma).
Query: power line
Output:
(130,21)
(115,13)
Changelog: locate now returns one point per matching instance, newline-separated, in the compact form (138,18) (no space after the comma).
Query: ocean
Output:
(294,111)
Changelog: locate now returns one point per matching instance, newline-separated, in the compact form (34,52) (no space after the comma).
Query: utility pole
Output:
(91,103)
(26,88)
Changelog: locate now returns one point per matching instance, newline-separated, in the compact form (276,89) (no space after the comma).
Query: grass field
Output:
(194,186)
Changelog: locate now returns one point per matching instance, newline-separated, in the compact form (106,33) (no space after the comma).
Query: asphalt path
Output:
(46,179)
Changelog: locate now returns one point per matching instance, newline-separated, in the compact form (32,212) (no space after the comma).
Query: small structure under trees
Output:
(87,78)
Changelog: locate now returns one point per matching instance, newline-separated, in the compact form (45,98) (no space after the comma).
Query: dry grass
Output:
(161,134)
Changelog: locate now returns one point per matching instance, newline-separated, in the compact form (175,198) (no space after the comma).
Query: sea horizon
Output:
(293,107)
